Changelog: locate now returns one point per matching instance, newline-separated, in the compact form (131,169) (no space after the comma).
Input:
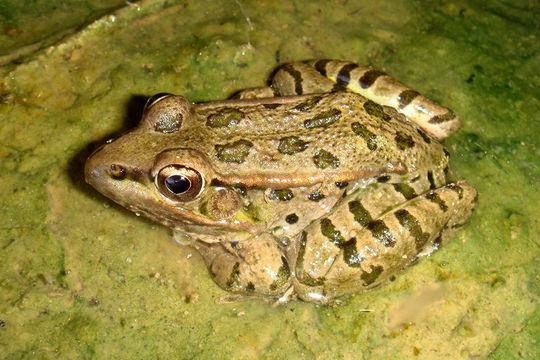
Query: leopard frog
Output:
(325,183)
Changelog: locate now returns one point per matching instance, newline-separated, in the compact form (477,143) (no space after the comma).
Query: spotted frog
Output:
(327,182)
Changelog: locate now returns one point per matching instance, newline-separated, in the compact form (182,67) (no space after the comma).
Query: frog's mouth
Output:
(189,222)
(134,189)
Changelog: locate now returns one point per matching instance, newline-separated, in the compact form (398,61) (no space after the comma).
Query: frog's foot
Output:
(181,238)
(288,295)
(254,267)
(323,76)
(350,259)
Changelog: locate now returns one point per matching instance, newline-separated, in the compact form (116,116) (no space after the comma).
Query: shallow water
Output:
(81,277)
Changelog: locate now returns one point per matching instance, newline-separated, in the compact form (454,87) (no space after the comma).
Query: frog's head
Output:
(156,170)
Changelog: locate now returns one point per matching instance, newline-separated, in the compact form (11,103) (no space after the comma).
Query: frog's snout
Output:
(98,170)
(93,171)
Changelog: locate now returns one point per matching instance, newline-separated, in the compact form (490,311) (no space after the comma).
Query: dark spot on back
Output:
(308,104)
(316,196)
(224,118)
(291,145)
(324,159)
(323,119)
(235,152)
(369,137)
(404,141)
(281,194)
(374,109)
(291,218)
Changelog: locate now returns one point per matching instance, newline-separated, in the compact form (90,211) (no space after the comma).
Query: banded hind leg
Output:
(322,76)
(254,267)
(373,235)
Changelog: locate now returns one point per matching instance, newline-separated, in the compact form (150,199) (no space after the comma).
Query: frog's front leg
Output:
(369,239)
(253,267)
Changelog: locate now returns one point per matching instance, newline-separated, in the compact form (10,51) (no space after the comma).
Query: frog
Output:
(327,182)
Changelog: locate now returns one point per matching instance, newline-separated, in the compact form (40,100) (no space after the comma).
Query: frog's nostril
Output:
(117,172)
(98,169)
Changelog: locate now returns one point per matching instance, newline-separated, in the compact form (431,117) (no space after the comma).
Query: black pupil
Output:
(177,184)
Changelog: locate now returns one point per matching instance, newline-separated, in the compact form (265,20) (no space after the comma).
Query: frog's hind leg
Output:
(254,267)
(333,75)
(364,243)
(298,78)
(301,78)
(323,76)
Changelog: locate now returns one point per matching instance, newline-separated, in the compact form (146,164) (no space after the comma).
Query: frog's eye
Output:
(154,99)
(179,183)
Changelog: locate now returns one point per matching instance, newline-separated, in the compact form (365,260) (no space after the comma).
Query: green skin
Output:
(323,190)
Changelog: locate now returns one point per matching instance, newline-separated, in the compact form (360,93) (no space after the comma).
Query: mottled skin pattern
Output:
(327,182)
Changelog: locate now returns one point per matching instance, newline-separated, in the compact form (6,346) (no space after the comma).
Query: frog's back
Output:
(340,134)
